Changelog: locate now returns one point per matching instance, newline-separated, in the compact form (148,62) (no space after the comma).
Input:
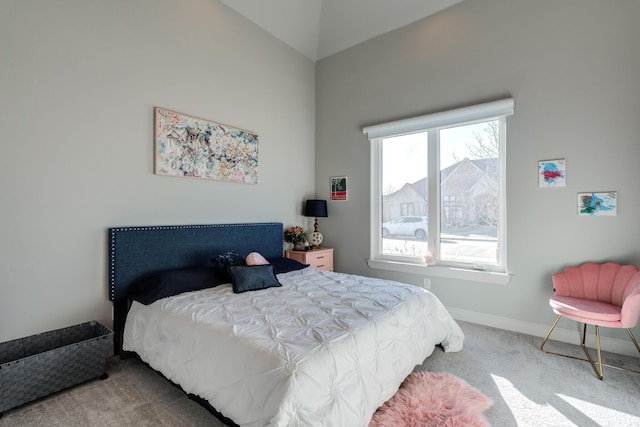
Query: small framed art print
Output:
(552,173)
(598,204)
(338,188)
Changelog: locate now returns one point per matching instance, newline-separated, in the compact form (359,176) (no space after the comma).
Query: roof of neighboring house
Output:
(407,187)
(485,165)
(421,187)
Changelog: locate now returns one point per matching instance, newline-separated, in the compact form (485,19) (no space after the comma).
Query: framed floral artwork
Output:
(190,147)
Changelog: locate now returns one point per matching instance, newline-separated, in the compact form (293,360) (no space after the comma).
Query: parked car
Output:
(406,226)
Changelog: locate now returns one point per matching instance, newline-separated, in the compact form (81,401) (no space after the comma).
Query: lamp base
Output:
(316,239)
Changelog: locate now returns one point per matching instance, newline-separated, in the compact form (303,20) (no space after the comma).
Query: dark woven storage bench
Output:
(35,366)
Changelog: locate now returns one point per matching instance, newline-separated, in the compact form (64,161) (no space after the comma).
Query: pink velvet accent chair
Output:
(600,295)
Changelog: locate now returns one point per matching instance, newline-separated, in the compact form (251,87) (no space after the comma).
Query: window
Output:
(450,210)
(407,209)
(438,191)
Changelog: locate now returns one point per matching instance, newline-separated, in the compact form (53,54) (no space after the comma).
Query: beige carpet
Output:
(133,395)
(528,388)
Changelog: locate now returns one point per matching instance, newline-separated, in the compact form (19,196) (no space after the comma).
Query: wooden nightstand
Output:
(320,259)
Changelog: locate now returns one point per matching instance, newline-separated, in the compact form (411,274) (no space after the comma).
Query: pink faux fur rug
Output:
(427,399)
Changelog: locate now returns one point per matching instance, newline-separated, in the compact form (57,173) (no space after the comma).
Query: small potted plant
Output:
(297,236)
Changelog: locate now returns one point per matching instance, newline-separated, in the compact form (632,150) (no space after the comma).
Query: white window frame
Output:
(496,110)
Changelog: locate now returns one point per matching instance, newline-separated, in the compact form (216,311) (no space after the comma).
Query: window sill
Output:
(439,271)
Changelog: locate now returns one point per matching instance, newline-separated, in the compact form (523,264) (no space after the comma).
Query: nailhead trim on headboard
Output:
(116,231)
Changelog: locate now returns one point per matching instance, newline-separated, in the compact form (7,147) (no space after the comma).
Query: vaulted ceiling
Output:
(319,28)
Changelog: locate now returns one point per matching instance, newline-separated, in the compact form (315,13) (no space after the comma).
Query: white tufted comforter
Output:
(325,349)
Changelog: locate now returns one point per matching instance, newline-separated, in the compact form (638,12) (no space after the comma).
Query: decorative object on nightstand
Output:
(297,236)
(320,259)
(316,209)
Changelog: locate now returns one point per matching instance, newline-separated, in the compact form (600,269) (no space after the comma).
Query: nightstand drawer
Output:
(320,259)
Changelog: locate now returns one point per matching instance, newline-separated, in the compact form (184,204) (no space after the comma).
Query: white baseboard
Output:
(614,345)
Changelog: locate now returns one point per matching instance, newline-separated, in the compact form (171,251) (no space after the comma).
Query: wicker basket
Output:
(42,364)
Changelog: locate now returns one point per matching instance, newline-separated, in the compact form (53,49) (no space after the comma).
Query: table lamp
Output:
(316,209)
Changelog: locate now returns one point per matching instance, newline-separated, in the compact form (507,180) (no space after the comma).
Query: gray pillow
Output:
(252,277)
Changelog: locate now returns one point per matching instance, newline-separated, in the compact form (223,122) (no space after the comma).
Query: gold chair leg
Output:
(634,340)
(548,334)
(566,355)
(599,372)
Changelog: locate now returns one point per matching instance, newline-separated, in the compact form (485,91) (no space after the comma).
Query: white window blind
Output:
(502,107)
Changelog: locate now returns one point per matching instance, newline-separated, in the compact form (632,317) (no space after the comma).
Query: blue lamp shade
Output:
(316,209)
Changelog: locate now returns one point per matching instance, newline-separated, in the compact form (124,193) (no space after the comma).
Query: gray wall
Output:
(78,81)
(573,67)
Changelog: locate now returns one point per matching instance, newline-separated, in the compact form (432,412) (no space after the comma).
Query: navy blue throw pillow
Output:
(173,282)
(228,258)
(252,277)
(285,265)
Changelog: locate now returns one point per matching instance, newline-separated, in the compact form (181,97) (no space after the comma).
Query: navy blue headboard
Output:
(135,252)
(138,251)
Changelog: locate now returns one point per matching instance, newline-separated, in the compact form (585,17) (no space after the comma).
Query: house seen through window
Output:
(438,190)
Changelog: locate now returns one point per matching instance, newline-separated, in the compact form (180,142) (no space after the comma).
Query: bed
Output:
(315,348)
